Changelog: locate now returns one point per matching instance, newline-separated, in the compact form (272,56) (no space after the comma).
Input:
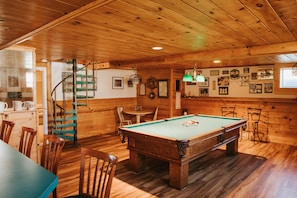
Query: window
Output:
(29,79)
(281,76)
(287,79)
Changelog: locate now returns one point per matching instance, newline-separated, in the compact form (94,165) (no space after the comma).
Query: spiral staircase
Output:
(81,84)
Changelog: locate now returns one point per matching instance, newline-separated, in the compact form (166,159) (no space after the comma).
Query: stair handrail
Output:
(70,75)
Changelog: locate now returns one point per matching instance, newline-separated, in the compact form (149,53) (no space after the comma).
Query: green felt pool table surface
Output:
(177,128)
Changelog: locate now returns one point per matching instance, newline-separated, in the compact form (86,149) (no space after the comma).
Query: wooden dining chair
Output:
(155,117)
(50,155)
(97,170)
(6,129)
(26,140)
(228,111)
(122,119)
(254,116)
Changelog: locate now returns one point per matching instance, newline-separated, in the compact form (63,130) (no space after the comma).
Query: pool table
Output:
(179,140)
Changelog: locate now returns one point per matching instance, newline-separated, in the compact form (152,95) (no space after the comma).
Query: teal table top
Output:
(183,127)
(22,177)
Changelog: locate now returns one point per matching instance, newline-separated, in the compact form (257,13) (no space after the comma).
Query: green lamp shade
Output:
(187,78)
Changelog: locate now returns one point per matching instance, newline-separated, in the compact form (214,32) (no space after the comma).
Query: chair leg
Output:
(55,193)
(256,131)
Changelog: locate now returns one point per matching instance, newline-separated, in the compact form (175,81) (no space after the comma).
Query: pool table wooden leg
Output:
(178,175)
(136,162)
(232,147)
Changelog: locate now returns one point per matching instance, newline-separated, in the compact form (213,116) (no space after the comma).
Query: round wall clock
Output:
(152,83)
(152,95)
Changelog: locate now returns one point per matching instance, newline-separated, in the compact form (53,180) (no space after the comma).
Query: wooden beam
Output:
(246,52)
(82,10)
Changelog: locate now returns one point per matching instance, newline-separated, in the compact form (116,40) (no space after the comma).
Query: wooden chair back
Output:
(156,113)
(51,152)
(254,114)
(155,116)
(97,170)
(6,129)
(228,111)
(122,119)
(50,155)
(26,140)
(120,114)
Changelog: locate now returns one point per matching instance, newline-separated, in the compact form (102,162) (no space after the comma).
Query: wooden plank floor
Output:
(260,170)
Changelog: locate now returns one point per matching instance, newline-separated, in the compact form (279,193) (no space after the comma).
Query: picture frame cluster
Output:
(250,80)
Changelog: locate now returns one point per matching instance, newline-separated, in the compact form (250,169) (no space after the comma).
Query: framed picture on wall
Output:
(142,89)
(234,74)
(255,88)
(190,83)
(244,80)
(203,91)
(265,73)
(163,88)
(130,83)
(117,82)
(223,90)
(225,72)
(254,76)
(268,87)
(205,83)
(214,72)
(13,81)
(246,70)
(223,81)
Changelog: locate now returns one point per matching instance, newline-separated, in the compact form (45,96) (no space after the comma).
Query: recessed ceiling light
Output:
(157,48)
(216,61)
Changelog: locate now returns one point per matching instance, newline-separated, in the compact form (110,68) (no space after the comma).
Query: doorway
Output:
(41,98)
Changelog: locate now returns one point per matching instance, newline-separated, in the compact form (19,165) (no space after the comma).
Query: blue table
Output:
(180,140)
(22,177)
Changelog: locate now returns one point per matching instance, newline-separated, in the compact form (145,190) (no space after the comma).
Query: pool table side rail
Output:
(133,128)
(221,130)
(166,149)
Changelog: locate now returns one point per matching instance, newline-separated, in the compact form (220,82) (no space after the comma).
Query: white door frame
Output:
(44,98)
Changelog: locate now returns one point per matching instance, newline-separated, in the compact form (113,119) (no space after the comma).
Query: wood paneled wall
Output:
(166,105)
(162,103)
(278,117)
(99,117)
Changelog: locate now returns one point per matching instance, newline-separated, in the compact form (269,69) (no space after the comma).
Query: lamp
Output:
(188,77)
(195,78)
(134,77)
(200,78)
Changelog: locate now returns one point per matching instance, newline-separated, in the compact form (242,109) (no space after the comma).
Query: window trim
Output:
(277,89)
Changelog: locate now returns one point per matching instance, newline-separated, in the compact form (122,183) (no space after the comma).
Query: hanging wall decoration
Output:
(234,74)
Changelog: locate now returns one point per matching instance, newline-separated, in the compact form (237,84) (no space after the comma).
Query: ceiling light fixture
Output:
(157,48)
(217,61)
(197,76)
(134,77)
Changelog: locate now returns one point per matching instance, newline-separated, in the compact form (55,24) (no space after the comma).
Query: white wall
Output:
(104,82)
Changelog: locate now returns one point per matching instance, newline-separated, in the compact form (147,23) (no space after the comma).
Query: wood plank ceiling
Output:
(122,32)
